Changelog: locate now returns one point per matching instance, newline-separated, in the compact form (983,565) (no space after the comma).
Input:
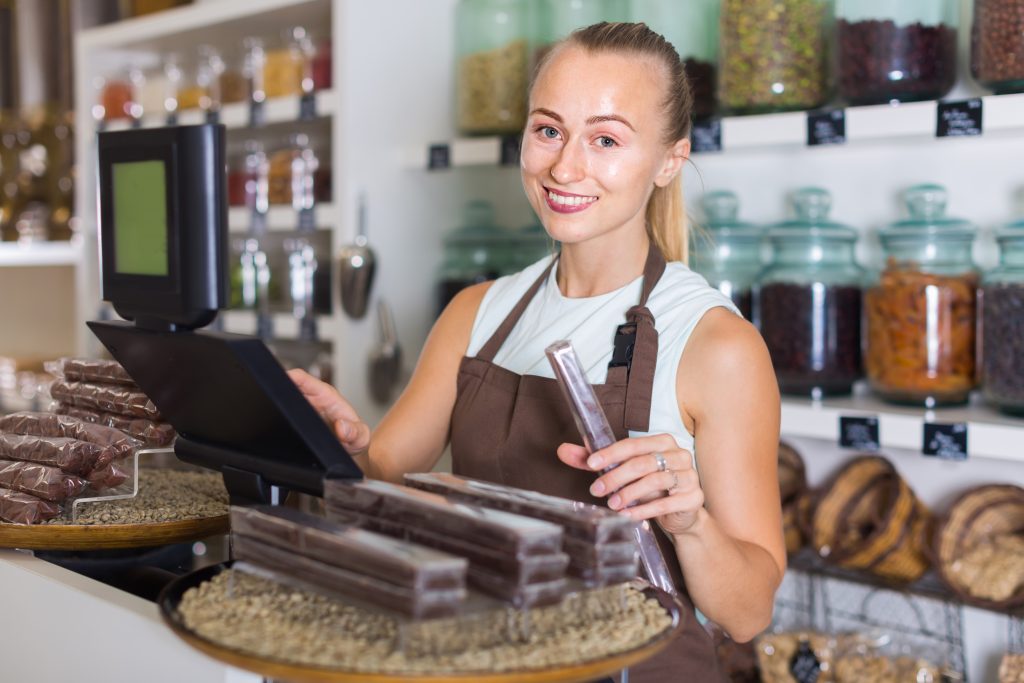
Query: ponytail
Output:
(667,225)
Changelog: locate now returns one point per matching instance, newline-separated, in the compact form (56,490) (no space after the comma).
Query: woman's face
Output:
(594,149)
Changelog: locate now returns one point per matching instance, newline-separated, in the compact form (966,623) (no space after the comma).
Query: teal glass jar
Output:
(692,28)
(532,243)
(1002,324)
(555,19)
(896,51)
(921,312)
(476,251)
(809,301)
(492,63)
(728,255)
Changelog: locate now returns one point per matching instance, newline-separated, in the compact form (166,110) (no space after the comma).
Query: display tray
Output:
(172,595)
(109,536)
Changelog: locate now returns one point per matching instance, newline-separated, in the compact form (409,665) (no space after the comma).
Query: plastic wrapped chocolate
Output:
(365,589)
(584,553)
(91,370)
(494,529)
(116,444)
(394,561)
(153,434)
(109,398)
(21,508)
(69,455)
(518,595)
(111,475)
(48,483)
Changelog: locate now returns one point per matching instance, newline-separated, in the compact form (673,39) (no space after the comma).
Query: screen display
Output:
(140,218)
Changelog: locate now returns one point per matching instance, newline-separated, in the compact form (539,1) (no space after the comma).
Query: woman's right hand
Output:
(353,433)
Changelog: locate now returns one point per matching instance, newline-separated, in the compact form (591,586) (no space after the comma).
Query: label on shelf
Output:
(826,127)
(945,440)
(706,135)
(439,156)
(510,145)
(307,107)
(959,118)
(257,114)
(859,432)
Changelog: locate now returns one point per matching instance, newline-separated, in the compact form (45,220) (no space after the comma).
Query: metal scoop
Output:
(356,266)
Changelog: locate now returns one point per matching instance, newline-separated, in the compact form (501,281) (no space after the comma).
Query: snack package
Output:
(106,397)
(22,508)
(42,481)
(69,455)
(111,475)
(796,656)
(90,370)
(152,434)
(116,444)
(1011,669)
(518,595)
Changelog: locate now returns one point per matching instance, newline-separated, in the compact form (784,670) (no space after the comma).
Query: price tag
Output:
(826,127)
(510,150)
(213,116)
(307,107)
(257,114)
(439,157)
(804,666)
(958,119)
(706,135)
(946,441)
(859,432)
(172,119)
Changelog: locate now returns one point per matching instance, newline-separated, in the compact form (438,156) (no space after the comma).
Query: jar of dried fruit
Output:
(555,19)
(1002,324)
(896,51)
(728,253)
(491,66)
(997,45)
(921,312)
(774,55)
(809,301)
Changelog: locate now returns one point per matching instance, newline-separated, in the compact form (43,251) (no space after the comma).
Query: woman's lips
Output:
(563,202)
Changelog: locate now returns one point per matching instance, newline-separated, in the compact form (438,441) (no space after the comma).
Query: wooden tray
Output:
(170,597)
(108,536)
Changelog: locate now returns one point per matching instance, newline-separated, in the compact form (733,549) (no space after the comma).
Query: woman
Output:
(606,138)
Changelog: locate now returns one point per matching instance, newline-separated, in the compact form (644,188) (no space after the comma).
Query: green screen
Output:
(140,218)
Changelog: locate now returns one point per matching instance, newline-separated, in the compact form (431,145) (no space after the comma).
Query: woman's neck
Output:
(599,266)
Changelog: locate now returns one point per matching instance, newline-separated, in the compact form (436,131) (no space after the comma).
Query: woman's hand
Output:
(652,478)
(353,433)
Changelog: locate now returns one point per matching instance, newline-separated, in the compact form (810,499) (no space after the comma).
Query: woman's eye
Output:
(549,132)
(605,141)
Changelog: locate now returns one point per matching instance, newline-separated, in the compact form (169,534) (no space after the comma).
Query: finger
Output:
(573,455)
(621,451)
(639,466)
(681,503)
(331,405)
(659,482)
(354,435)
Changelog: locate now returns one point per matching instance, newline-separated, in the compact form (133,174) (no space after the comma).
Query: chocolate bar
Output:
(106,397)
(42,481)
(153,434)
(584,554)
(606,575)
(70,455)
(91,370)
(521,596)
(22,508)
(115,443)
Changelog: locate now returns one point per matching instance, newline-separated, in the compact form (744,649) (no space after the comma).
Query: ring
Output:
(662,464)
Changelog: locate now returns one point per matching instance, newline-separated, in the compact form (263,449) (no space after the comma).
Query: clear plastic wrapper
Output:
(69,455)
(518,595)
(42,481)
(152,433)
(106,397)
(116,444)
(22,508)
(585,554)
(366,589)
(394,561)
(90,370)
(606,574)
(502,531)
(111,475)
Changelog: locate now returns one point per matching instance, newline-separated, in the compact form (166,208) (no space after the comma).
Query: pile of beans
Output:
(998,43)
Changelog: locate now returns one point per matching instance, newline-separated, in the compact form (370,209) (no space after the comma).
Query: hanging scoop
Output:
(356,266)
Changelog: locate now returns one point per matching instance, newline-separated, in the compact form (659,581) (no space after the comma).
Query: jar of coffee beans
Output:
(556,19)
(896,51)
(809,301)
(1002,324)
(728,251)
(997,45)
(921,312)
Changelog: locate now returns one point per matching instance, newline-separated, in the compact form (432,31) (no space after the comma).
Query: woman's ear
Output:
(675,157)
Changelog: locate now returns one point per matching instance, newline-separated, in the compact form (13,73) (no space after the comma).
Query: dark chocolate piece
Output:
(584,553)
(153,434)
(70,455)
(521,596)
(106,397)
(93,370)
(115,443)
(21,508)
(42,481)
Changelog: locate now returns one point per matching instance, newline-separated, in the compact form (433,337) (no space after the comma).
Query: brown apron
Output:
(507,427)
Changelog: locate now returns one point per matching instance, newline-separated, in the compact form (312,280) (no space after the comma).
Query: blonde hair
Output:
(666,211)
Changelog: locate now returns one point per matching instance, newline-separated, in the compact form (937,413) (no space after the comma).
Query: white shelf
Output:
(286,326)
(17,255)
(990,434)
(281,218)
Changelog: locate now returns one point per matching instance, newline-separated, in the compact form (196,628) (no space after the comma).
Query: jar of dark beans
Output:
(476,251)
(896,51)
(809,299)
(921,312)
(556,19)
(728,252)
(997,45)
(692,28)
(1002,324)
(774,55)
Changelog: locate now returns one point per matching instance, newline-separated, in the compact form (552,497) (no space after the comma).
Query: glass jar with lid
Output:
(921,313)
(491,66)
(555,19)
(288,70)
(728,255)
(292,171)
(692,28)
(809,301)
(1002,324)
(476,251)
(997,44)
(896,51)
(774,55)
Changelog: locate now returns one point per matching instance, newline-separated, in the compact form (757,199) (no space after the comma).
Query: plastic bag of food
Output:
(116,444)
(109,398)
(21,508)
(109,476)
(42,481)
(155,434)
(90,370)
(69,455)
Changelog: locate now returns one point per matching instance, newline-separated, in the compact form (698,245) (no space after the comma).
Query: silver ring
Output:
(662,464)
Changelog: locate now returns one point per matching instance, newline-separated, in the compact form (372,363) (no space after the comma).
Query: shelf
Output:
(286,326)
(17,255)
(281,218)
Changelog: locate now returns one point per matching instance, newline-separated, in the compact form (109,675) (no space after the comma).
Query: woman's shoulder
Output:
(683,294)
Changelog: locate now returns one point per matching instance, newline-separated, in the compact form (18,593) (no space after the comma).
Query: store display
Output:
(69,455)
(921,315)
(1011,669)
(997,44)
(21,508)
(809,301)
(116,444)
(728,252)
(153,434)
(774,55)
(287,72)
(903,52)
(91,370)
(48,483)
(1001,300)
(106,397)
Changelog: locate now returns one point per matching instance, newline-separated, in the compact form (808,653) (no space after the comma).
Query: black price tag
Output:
(804,666)
(257,114)
(172,119)
(439,156)
(307,107)
(958,119)
(945,440)
(826,127)
(706,135)
(213,116)
(510,145)
(859,432)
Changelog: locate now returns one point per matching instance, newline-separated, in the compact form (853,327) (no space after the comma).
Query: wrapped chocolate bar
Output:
(584,554)
(518,595)
(105,397)
(111,475)
(22,508)
(115,443)
(494,529)
(151,433)
(42,481)
(91,370)
(416,603)
(69,455)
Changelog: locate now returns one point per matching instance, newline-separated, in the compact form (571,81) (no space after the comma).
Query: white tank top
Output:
(678,302)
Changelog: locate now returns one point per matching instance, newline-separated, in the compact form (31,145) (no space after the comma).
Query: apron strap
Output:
(490,349)
(640,387)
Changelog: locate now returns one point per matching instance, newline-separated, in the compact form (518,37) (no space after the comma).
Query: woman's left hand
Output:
(652,479)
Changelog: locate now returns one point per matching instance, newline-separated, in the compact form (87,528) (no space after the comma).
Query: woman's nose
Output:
(569,167)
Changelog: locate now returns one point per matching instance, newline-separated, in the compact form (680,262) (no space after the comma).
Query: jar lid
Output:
(926,205)
(721,216)
(811,206)
(478,226)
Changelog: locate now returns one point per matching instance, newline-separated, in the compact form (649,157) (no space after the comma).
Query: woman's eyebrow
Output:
(548,113)
(591,121)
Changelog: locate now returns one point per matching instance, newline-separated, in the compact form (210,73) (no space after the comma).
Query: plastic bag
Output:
(41,481)
(69,455)
(111,475)
(109,398)
(90,370)
(21,508)
(116,444)
(154,434)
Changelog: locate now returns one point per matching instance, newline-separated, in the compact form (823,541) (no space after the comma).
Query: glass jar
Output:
(692,28)
(253,63)
(774,55)
(287,71)
(208,73)
(896,51)
(809,301)
(323,68)
(729,254)
(233,85)
(921,313)
(119,96)
(997,44)
(555,19)
(174,76)
(292,171)
(491,66)
(1002,324)
(476,251)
